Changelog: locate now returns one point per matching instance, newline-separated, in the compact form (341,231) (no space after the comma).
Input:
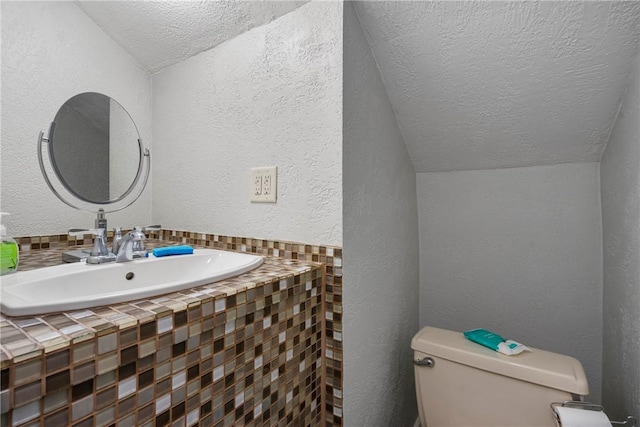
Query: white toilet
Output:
(460,383)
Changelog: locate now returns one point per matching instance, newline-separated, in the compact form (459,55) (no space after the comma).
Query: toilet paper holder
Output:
(629,422)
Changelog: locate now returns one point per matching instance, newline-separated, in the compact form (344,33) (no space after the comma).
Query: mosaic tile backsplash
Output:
(264,348)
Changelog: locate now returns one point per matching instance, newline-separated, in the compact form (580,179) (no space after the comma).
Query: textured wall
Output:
(271,96)
(620,184)
(50,52)
(163,33)
(494,84)
(380,247)
(517,251)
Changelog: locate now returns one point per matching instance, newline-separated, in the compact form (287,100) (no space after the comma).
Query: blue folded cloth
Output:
(172,250)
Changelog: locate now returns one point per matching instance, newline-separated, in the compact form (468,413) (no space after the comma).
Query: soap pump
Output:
(8,251)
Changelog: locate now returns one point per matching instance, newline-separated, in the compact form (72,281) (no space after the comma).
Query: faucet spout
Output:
(127,249)
(117,237)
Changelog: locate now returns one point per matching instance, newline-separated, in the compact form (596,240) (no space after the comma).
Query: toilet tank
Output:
(470,385)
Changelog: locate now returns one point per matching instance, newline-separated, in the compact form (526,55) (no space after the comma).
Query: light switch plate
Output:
(264,184)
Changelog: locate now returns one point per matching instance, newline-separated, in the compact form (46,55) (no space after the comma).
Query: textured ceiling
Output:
(161,33)
(479,85)
(474,85)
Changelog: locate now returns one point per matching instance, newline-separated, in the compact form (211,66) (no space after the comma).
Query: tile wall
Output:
(225,375)
(331,257)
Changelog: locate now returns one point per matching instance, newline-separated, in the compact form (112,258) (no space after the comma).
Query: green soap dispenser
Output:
(8,251)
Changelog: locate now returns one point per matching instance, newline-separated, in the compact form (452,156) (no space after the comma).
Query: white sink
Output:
(79,285)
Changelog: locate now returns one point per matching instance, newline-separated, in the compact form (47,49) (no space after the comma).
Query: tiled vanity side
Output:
(244,351)
(331,258)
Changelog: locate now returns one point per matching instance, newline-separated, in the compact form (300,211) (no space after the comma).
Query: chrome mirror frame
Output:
(57,185)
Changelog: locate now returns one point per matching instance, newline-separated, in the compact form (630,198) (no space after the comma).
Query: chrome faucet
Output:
(99,253)
(139,249)
(117,237)
(125,248)
(130,246)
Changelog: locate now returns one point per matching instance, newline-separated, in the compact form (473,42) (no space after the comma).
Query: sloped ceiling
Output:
(474,85)
(479,85)
(162,33)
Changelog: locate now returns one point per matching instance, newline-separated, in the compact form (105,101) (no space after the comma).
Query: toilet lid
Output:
(541,367)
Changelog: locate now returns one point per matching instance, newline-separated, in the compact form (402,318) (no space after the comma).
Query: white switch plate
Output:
(264,184)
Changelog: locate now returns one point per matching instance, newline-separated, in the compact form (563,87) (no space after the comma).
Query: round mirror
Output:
(93,147)
(95,154)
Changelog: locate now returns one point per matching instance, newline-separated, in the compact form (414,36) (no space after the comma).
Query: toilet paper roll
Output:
(574,417)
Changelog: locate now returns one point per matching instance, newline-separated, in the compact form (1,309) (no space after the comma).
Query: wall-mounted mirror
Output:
(94,157)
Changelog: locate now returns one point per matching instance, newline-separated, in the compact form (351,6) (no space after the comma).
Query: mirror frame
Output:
(62,190)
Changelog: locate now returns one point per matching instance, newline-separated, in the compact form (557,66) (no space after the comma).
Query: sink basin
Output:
(79,285)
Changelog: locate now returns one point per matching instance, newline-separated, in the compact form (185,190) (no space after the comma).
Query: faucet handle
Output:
(99,247)
(138,237)
(141,230)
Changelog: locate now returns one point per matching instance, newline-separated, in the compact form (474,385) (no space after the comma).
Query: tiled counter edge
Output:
(245,350)
(331,321)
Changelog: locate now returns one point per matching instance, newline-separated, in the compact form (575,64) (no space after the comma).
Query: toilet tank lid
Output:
(537,366)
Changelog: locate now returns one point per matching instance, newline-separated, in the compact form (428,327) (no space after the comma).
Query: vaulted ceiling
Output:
(474,85)
(482,85)
(163,33)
